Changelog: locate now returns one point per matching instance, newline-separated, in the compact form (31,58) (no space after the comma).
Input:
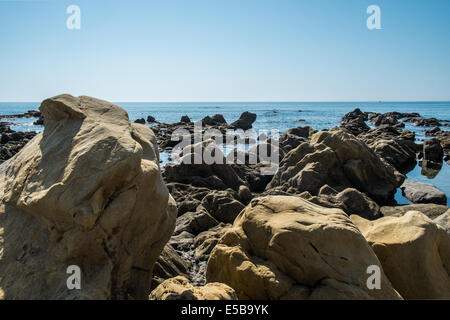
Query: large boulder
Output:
(432,151)
(340,160)
(420,192)
(87,191)
(284,247)
(414,253)
(179,288)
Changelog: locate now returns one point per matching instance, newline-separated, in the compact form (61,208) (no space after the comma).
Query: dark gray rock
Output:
(419,192)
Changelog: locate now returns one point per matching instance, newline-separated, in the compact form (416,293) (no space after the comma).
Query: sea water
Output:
(271,115)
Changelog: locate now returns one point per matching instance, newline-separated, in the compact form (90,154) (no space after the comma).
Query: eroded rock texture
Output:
(87,191)
(284,247)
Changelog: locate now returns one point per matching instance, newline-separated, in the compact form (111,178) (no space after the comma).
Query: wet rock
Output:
(383,119)
(28,114)
(419,192)
(245,121)
(185,119)
(424,122)
(141,121)
(169,265)
(222,205)
(151,119)
(39,122)
(219,119)
(355,122)
(396,147)
(432,151)
(430,169)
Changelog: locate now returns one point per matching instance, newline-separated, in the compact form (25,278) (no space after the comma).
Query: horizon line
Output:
(250,101)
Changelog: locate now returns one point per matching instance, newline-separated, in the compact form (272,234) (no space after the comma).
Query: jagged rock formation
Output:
(339,160)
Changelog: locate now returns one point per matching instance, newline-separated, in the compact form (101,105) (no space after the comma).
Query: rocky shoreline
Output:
(90,191)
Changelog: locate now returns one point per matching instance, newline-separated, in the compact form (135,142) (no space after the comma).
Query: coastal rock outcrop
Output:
(355,121)
(179,288)
(78,194)
(420,192)
(340,160)
(245,121)
(414,253)
(350,200)
(432,151)
(396,147)
(284,247)
(169,265)
(431,210)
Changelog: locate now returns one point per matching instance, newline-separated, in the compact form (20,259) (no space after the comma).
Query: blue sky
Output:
(316,50)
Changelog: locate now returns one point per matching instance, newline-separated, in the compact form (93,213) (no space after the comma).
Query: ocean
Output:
(272,115)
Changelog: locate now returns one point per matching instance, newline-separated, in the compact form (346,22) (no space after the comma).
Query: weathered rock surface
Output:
(169,265)
(78,194)
(179,288)
(284,247)
(222,205)
(396,147)
(340,160)
(432,151)
(295,136)
(355,122)
(424,122)
(414,253)
(431,210)
(444,221)
(351,201)
(420,192)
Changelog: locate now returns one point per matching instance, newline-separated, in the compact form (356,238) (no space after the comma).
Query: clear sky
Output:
(226,50)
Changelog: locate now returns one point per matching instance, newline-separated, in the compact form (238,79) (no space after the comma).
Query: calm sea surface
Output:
(273,115)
